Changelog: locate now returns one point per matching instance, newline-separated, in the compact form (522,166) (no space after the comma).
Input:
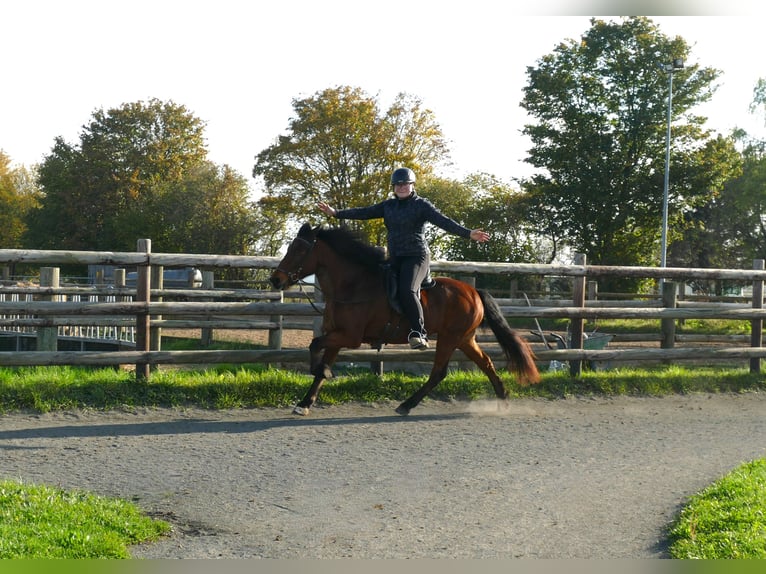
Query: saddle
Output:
(391,277)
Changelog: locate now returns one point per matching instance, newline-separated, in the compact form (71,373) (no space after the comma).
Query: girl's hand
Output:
(326,208)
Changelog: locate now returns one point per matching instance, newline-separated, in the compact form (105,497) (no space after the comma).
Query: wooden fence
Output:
(144,310)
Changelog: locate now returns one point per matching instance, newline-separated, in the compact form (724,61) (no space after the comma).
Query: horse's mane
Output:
(349,245)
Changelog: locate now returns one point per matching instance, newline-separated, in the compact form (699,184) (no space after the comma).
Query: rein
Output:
(301,283)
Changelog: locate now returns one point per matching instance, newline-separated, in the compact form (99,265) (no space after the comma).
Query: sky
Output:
(238,65)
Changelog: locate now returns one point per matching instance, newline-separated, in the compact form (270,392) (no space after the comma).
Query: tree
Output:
(18,195)
(100,194)
(600,104)
(340,149)
(207,211)
(730,231)
(483,201)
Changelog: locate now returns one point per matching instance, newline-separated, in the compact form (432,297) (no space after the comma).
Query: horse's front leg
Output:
(320,366)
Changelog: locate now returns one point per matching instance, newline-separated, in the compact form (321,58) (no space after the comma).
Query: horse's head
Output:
(294,264)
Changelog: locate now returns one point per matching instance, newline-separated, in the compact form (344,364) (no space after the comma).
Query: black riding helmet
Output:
(402,175)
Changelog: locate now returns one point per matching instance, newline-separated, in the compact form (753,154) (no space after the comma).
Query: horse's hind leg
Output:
(438,372)
(477,355)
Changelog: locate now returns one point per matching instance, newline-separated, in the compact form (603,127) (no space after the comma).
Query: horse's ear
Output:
(306,232)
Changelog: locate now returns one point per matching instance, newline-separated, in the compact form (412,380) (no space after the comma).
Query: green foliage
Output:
(45,522)
(140,171)
(600,105)
(727,520)
(18,196)
(341,149)
(730,231)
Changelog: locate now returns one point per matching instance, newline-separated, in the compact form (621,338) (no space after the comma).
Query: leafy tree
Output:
(18,195)
(208,211)
(483,201)
(341,149)
(730,231)
(271,221)
(454,199)
(100,194)
(601,106)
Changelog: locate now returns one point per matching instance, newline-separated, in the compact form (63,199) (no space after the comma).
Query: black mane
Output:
(349,245)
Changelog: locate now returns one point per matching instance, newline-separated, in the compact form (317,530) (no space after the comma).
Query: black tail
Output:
(521,358)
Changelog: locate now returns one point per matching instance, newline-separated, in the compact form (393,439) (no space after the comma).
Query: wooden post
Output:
(592,291)
(591,294)
(47,337)
(155,333)
(578,325)
(208,283)
(143,321)
(275,335)
(668,326)
(756,325)
(318,321)
(119,278)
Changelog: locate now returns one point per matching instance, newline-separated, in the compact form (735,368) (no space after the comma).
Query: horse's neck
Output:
(347,284)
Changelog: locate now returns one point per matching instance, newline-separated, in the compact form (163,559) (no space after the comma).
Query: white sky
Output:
(237,65)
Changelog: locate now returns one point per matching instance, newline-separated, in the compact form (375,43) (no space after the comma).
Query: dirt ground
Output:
(573,478)
(291,338)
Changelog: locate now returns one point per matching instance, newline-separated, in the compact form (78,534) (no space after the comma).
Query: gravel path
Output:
(574,478)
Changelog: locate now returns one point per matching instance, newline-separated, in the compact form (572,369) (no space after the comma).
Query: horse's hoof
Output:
(302,411)
(402,410)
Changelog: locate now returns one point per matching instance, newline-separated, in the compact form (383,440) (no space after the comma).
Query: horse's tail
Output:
(521,358)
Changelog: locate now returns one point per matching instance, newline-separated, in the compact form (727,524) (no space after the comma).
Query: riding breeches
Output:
(412,271)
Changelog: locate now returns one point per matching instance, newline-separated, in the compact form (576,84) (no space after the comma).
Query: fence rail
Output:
(49,308)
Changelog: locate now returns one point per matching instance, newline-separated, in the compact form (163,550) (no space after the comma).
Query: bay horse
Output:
(351,277)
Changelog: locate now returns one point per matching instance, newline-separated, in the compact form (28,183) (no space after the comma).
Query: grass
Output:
(727,520)
(44,522)
(45,389)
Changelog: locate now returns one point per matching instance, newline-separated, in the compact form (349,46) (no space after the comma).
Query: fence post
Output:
(155,333)
(668,326)
(756,325)
(143,321)
(208,283)
(275,335)
(578,324)
(318,321)
(119,277)
(47,337)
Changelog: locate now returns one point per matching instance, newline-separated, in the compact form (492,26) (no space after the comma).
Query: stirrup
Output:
(417,341)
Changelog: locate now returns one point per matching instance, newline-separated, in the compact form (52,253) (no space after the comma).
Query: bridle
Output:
(294,276)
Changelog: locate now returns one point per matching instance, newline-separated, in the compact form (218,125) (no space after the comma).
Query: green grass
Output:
(45,389)
(44,522)
(727,520)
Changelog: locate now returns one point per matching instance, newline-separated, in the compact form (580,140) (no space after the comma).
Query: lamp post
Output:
(676,64)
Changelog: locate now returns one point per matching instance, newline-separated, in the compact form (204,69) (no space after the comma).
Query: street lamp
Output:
(676,64)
